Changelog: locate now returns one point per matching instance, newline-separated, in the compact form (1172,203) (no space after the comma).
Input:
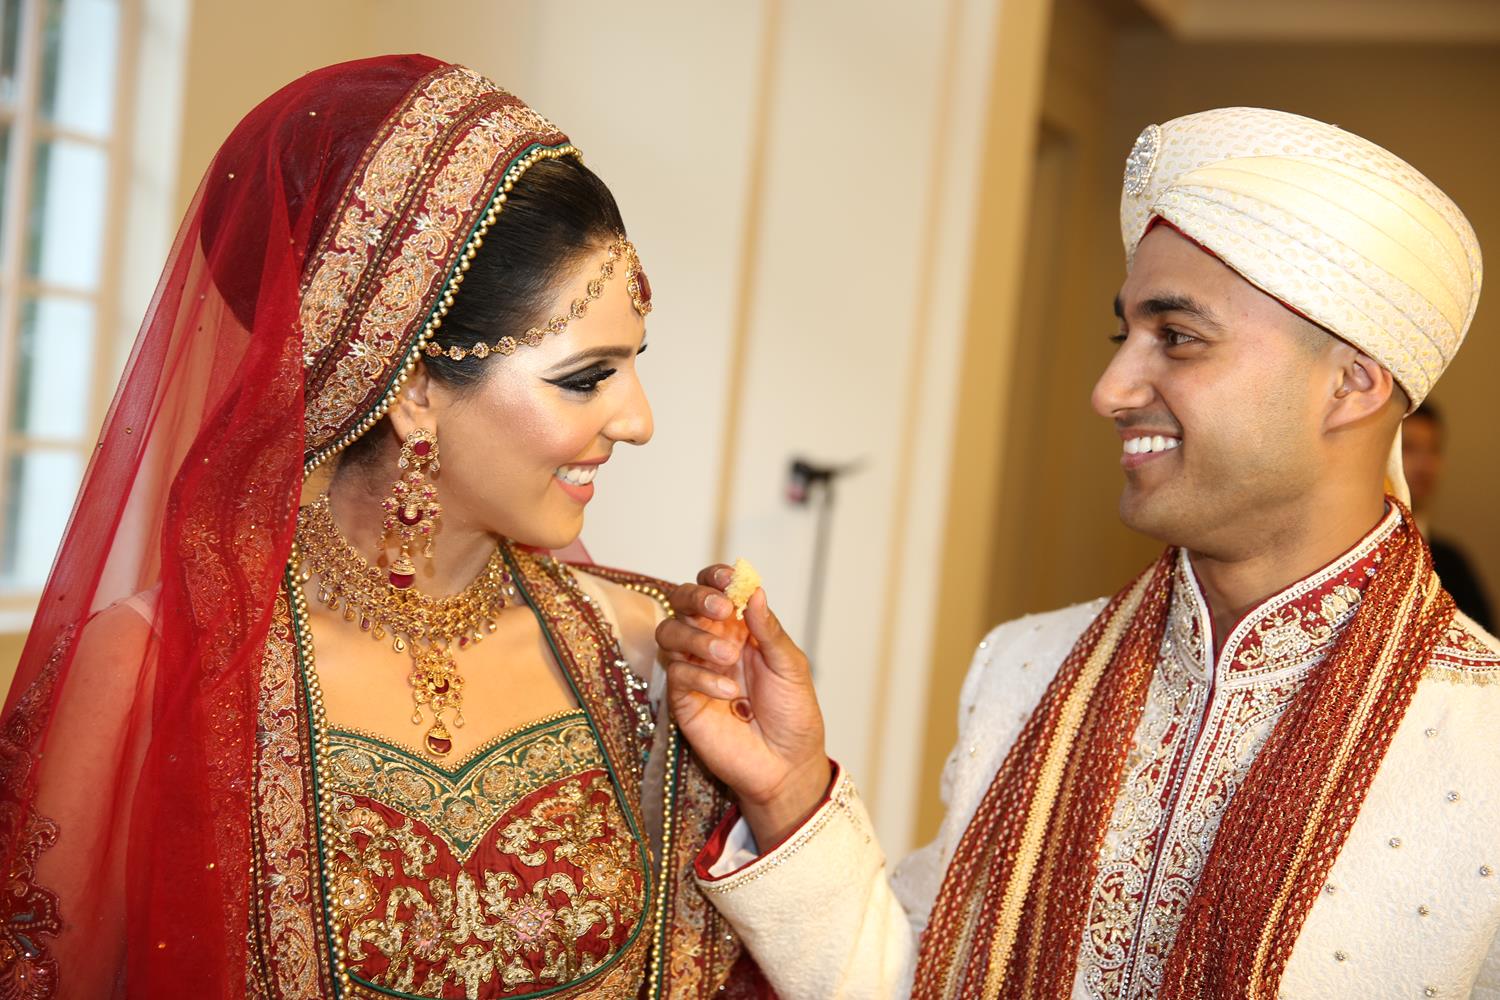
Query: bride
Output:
(308,710)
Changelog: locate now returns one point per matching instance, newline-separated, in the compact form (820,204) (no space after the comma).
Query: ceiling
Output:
(1419,21)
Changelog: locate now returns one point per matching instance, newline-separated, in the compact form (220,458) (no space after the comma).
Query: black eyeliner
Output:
(586,380)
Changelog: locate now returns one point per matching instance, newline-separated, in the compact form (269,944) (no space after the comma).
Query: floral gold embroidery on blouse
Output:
(515,872)
(462,805)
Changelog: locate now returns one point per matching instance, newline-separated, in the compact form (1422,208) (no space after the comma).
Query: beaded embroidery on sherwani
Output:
(1200,731)
(1466,655)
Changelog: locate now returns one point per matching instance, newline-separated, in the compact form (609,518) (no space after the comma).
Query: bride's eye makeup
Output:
(585,382)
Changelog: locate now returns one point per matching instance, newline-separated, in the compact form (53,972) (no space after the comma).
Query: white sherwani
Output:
(1411,907)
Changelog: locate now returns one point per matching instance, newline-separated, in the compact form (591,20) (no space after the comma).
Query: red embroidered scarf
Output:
(1009,917)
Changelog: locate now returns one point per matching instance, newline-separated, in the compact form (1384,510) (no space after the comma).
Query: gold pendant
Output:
(387,607)
(439,741)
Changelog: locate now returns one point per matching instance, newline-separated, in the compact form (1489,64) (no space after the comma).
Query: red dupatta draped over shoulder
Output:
(322,249)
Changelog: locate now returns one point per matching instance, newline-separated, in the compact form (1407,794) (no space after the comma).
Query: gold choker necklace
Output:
(431,629)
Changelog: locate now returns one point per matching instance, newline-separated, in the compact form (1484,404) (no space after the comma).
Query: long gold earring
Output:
(412,510)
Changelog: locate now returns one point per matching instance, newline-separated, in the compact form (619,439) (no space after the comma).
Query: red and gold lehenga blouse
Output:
(178,816)
(516,870)
(524,868)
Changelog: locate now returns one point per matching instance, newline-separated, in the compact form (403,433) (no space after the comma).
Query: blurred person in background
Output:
(1266,767)
(255,746)
(1422,456)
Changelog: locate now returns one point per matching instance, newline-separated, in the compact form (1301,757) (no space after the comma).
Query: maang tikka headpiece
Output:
(635,283)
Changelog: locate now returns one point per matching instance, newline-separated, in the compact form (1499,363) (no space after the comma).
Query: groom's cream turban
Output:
(1335,227)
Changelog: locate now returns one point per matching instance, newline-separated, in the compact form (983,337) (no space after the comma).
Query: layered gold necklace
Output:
(430,629)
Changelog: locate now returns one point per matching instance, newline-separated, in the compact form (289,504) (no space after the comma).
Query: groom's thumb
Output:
(780,652)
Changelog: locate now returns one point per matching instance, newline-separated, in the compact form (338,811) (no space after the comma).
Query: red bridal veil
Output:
(126,748)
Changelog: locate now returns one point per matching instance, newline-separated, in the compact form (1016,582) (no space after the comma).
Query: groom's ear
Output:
(1360,388)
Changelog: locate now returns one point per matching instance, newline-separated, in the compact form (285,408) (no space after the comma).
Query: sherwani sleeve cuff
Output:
(860,943)
(731,848)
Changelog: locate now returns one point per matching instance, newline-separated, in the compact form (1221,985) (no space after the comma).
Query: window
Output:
(64,105)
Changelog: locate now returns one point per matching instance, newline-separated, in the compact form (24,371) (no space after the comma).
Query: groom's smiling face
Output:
(1213,392)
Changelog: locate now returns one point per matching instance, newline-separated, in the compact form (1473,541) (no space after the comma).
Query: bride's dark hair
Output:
(558,213)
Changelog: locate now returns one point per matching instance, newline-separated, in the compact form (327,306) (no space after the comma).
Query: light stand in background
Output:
(805,483)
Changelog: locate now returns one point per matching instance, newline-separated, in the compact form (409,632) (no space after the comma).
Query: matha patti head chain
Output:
(635,284)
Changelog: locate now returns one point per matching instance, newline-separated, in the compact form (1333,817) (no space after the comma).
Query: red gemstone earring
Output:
(412,510)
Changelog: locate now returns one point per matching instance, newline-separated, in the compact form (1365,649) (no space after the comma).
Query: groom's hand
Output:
(721,670)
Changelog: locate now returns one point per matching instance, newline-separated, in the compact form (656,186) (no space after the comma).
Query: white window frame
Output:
(27,128)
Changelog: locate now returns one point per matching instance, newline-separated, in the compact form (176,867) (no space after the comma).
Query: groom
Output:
(1266,767)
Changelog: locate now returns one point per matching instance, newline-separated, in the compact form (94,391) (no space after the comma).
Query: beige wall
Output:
(236,54)
(1028,471)
(10,652)
(1055,538)
(983,385)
